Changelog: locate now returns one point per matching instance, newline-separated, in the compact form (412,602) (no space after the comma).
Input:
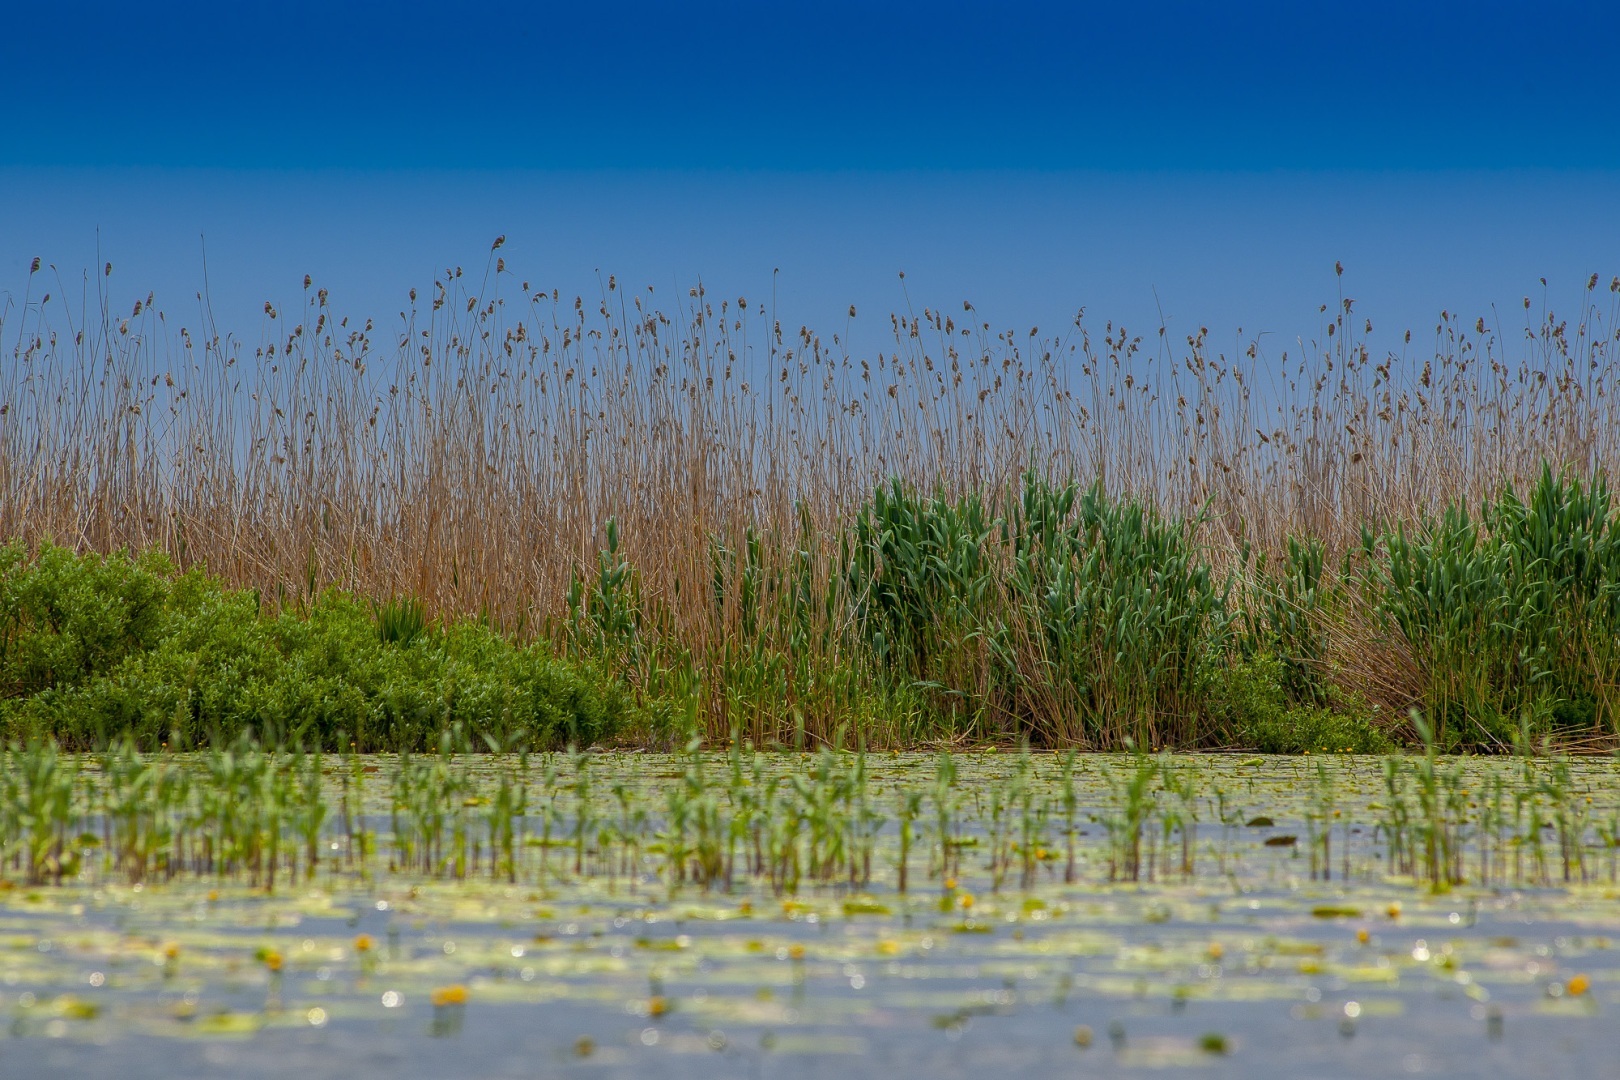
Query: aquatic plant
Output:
(1510,613)
(737,823)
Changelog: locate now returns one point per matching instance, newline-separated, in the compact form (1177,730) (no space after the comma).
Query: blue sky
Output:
(1207,160)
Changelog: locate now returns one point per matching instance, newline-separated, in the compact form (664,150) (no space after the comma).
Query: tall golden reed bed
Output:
(471,451)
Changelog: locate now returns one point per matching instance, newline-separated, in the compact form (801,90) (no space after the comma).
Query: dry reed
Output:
(472,453)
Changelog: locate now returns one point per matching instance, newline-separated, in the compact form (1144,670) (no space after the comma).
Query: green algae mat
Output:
(253,913)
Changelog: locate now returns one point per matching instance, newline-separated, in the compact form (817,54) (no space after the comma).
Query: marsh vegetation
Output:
(784,914)
(674,516)
(329,667)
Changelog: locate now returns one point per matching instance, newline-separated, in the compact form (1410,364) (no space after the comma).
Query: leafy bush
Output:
(66,619)
(1251,702)
(95,648)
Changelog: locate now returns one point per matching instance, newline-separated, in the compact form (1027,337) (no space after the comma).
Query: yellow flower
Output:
(796,951)
(1393,911)
(1216,950)
(171,951)
(966,900)
(657,1005)
(272,960)
(1579,985)
(950,883)
(1362,936)
(363,943)
(449,995)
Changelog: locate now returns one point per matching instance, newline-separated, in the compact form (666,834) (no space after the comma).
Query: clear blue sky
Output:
(1210,160)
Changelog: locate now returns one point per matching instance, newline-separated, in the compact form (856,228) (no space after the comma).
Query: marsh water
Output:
(1234,916)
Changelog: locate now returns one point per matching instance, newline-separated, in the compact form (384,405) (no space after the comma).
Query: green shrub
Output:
(184,660)
(1251,701)
(66,619)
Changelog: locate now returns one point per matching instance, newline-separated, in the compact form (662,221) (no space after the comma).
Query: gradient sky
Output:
(1209,161)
